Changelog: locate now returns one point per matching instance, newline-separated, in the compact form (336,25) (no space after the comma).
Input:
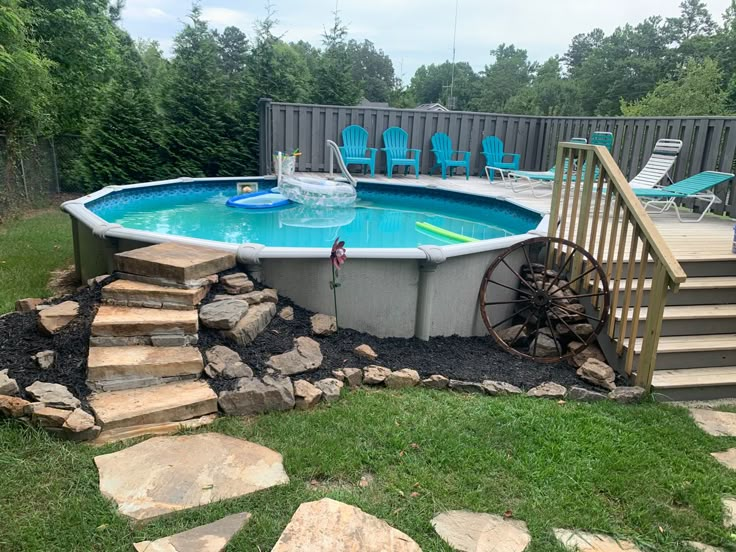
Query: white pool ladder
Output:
(335,154)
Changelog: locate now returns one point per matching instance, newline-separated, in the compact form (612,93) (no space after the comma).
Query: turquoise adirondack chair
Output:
(600,138)
(493,151)
(397,153)
(444,154)
(355,146)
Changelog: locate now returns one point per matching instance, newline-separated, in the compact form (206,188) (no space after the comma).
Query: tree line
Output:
(67,68)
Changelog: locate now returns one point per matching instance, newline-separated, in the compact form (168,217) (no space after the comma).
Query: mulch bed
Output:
(463,358)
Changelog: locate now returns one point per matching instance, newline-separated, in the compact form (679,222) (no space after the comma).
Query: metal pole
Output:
(56,166)
(451,100)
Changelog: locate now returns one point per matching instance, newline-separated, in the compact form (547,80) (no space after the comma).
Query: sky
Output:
(415,32)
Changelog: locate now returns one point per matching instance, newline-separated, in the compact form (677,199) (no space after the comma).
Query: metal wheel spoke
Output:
(509,287)
(573,332)
(562,269)
(552,329)
(576,313)
(522,280)
(583,275)
(578,295)
(523,326)
(510,317)
(487,303)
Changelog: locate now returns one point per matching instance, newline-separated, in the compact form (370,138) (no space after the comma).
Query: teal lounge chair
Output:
(599,138)
(530,180)
(493,151)
(699,186)
(396,141)
(444,154)
(355,146)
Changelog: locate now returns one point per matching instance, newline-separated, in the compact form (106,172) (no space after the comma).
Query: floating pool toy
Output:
(317,192)
(432,229)
(301,216)
(258,200)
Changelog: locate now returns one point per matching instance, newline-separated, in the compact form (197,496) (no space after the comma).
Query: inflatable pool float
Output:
(258,200)
(302,216)
(317,192)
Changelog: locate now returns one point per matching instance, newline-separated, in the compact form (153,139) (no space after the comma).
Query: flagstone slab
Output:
(169,474)
(212,537)
(331,525)
(727,458)
(478,532)
(715,422)
(579,541)
(729,511)
(175,261)
(703,547)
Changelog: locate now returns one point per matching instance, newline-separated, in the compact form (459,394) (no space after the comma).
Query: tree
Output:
(372,69)
(581,47)
(504,78)
(234,50)
(697,91)
(694,20)
(431,83)
(548,94)
(334,77)
(155,67)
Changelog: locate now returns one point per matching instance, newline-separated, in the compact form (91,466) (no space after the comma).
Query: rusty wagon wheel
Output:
(545,299)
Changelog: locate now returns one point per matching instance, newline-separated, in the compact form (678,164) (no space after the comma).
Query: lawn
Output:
(30,248)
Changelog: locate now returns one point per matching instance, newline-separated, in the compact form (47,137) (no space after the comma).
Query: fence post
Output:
(265,135)
(55,164)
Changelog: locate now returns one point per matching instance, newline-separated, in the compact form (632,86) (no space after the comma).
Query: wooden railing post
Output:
(653,326)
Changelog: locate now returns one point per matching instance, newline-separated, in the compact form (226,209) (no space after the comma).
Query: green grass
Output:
(30,248)
(641,472)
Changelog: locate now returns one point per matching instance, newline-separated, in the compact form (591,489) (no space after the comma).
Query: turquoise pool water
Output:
(383,217)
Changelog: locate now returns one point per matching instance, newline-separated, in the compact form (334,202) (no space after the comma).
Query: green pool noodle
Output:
(445,233)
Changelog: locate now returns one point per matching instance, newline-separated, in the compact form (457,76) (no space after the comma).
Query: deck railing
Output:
(594,206)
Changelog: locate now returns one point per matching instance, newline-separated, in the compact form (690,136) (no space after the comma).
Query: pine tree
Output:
(335,84)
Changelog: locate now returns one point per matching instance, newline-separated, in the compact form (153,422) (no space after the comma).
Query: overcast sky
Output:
(416,32)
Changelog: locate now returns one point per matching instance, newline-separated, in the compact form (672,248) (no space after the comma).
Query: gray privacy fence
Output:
(709,143)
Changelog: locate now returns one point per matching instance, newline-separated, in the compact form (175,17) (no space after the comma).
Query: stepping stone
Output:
(252,324)
(212,537)
(138,294)
(727,458)
(715,422)
(114,368)
(52,319)
(164,428)
(130,322)
(477,532)
(331,525)
(703,547)
(174,261)
(578,541)
(169,474)
(172,402)
(729,512)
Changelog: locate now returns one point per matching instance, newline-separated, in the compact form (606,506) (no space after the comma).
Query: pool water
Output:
(383,216)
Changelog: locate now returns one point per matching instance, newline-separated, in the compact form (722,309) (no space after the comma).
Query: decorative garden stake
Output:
(337,258)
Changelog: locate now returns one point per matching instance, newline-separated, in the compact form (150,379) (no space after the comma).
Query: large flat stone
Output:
(115,366)
(331,525)
(715,422)
(169,474)
(729,511)
(136,294)
(163,428)
(252,324)
(256,396)
(174,261)
(727,458)
(212,537)
(52,319)
(171,402)
(478,532)
(577,541)
(54,395)
(114,321)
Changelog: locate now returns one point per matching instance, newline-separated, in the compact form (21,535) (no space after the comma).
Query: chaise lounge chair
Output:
(396,141)
(530,180)
(444,156)
(355,147)
(659,164)
(699,186)
(494,154)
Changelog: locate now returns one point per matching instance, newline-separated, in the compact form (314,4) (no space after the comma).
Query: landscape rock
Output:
(223,315)
(406,377)
(236,283)
(97,280)
(306,395)
(548,390)
(715,422)
(591,351)
(700,547)
(54,395)
(597,373)
(478,532)
(500,388)
(79,421)
(323,324)
(8,386)
(226,363)
(366,352)
(328,525)
(627,395)
(212,537)
(512,334)
(287,313)
(252,324)
(375,375)
(256,396)
(304,357)
(52,319)
(45,416)
(330,388)
(466,386)
(577,541)
(253,297)
(27,305)
(338,375)
(353,376)
(729,512)
(436,381)
(584,395)
(726,458)
(44,359)
(544,346)
(168,474)
(13,407)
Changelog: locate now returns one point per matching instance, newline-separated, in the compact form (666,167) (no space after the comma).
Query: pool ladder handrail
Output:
(335,153)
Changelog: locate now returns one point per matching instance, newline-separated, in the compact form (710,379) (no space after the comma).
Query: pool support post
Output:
(425,290)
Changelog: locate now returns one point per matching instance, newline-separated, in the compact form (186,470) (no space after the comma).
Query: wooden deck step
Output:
(171,402)
(693,351)
(116,368)
(716,290)
(695,383)
(139,294)
(690,319)
(174,261)
(112,321)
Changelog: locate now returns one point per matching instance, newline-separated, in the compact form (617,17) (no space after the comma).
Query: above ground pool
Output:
(415,255)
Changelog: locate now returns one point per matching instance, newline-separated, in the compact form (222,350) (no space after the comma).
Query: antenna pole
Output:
(452,71)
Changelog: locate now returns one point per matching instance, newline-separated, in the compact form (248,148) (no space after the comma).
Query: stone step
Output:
(116,368)
(129,293)
(112,321)
(171,402)
(695,383)
(174,261)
